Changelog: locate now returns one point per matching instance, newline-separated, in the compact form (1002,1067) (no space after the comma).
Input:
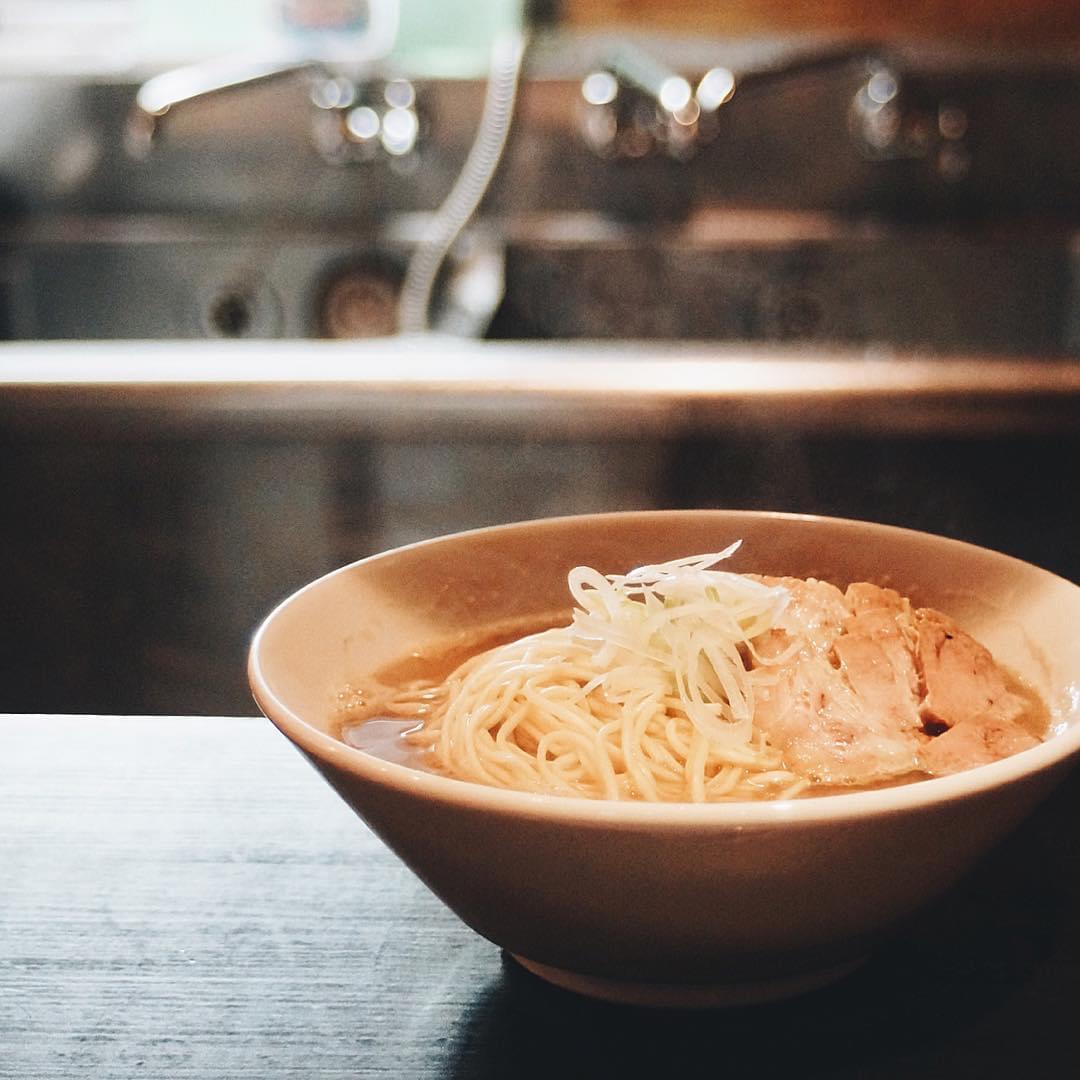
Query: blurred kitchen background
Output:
(284,283)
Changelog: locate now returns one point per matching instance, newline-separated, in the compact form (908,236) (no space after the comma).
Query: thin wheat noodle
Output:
(645,695)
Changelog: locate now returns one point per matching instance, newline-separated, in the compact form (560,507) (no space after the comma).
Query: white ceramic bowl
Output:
(673,903)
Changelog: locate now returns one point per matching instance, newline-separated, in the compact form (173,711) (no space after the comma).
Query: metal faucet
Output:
(352,121)
(889,121)
(634,105)
(160,95)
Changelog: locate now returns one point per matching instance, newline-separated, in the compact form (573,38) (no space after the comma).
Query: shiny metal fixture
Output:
(890,121)
(162,94)
(352,121)
(635,106)
(365,121)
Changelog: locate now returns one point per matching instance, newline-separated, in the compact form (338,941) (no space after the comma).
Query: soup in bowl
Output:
(711,896)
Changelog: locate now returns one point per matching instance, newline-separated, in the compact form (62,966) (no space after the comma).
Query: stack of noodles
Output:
(647,694)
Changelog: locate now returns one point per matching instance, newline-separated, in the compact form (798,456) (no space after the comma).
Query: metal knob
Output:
(363,122)
(635,106)
(889,121)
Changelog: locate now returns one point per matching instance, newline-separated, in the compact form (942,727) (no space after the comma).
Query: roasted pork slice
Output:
(814,615)
(825,727)
(881,674)
(854,688)
(961,680)
(876,654)
(861,596)
(971,742)
(842,706)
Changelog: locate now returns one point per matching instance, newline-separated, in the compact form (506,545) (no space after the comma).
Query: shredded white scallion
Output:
(687,621)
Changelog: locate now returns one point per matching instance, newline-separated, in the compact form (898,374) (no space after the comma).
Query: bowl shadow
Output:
(946,995)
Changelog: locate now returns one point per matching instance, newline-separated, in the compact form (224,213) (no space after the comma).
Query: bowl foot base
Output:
(716,995)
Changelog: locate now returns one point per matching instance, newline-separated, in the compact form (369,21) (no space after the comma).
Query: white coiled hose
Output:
(414,303)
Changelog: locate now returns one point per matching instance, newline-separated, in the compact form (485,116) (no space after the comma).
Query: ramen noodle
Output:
(683,682)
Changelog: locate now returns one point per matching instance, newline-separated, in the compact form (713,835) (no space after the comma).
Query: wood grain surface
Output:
(1004,22)
(184,897)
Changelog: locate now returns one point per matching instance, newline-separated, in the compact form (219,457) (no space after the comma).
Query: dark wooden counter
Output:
(184,897)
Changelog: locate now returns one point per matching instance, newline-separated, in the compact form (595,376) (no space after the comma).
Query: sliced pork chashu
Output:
(862,685)
(876,654)
(961,679)
(841,708)
(974,742)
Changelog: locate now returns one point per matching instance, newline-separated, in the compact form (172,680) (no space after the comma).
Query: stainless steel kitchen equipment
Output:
(837,277)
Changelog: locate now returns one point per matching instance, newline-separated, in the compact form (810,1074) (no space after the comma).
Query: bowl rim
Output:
(433,788)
